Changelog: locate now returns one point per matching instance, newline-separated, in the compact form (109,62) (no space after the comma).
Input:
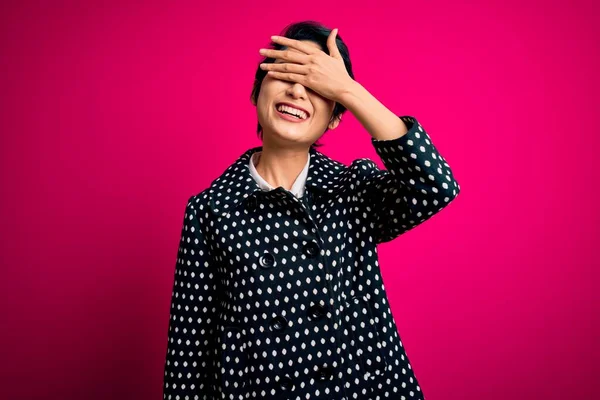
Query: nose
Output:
(297,90)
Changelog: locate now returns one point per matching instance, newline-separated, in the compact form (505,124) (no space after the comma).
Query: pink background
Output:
(112,114)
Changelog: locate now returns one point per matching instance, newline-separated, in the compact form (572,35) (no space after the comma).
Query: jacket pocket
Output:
(234,363)
(367,337)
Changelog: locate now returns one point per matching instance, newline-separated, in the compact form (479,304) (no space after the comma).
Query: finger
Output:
(285,67)
(285,55)
(288,76)
(296,44)
(332,45)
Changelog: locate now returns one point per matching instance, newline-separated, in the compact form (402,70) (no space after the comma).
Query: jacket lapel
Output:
(236,184)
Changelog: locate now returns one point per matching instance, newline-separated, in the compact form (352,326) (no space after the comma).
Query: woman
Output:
(277,291)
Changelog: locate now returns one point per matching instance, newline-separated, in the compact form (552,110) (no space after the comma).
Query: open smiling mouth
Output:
(291,115)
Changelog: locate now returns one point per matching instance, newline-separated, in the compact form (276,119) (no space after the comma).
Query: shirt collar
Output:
(324,174)
(298,186)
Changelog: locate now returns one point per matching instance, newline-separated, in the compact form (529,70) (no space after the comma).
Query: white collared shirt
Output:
(298,186)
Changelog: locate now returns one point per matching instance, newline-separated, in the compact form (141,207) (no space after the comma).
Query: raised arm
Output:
(416,184)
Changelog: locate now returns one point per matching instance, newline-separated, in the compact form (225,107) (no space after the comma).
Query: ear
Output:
(335,121)
(252,101)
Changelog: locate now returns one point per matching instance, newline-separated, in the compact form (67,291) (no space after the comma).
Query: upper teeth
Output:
(299,113)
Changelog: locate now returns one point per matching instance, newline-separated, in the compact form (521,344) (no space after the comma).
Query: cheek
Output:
(268,90)
(323,108)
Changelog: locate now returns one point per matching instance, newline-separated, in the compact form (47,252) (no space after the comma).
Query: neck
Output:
(281,166)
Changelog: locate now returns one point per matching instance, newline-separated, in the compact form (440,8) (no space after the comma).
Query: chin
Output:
(290,130)
(291,135)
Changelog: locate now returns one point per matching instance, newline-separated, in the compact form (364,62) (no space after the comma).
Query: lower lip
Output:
(289,117)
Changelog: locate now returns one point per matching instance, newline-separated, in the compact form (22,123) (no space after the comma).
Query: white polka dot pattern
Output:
(279,297)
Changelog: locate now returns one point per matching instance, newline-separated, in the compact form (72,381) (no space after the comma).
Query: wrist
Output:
(349,92)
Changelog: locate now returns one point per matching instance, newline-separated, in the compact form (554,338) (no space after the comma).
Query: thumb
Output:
(332,45)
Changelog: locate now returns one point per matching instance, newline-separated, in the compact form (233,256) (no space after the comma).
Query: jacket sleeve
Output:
(417,184)
(191,334)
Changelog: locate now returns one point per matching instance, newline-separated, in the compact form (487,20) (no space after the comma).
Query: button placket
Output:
(251,203)
(312,249)
(306,202)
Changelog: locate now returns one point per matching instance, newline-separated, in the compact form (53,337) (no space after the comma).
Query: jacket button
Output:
(251,203)
(279,323)
(311,249)
(324,373)
(267,260)
(286,383)
(316,311)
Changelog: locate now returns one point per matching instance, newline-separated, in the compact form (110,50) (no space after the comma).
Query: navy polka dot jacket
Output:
(279,297)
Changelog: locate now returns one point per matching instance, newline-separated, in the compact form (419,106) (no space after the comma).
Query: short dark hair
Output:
(304,30)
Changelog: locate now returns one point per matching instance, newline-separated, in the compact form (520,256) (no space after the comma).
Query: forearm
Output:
(377,119)
(416,183)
